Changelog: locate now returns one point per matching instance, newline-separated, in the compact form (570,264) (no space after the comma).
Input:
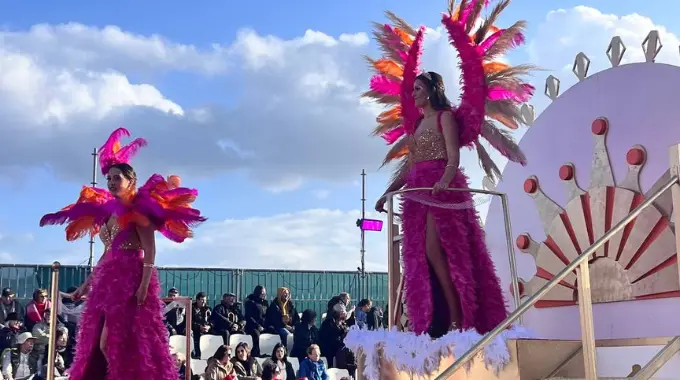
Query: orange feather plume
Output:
(389,67)
(494,67)
(405,37)
(391,114)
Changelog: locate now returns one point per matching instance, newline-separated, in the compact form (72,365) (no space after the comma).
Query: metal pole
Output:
(90,260)
(486,339)
(52,346)
(364,292)
(391,286)
(511,253)
(189,341)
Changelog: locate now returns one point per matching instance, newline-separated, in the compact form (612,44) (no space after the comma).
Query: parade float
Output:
(593,268)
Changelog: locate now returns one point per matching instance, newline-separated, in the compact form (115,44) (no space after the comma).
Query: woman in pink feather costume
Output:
(121,333)
(448,272)
(449,277)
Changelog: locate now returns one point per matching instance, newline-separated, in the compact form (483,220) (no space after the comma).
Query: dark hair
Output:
(364,302)
(268,371)
(435,89)
(200,295)
(127,171)
(285,352)
(221,352)
(308,316)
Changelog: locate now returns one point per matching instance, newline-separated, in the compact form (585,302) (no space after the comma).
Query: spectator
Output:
(282,315)
(180,363)
(41,333)
(36,308)
(227,318)
(175,314)
(18,363)
(219,365)
(256,306)
(368,316)
(340,303)
(279,359)
(59,360)
(312,367)
(245,365)
(70,312)
(8,334)
(332,334)
(200,323)
(9,305)
(271,371)
(306,334)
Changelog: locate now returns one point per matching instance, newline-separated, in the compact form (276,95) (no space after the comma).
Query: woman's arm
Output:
(148,242)
(450,132)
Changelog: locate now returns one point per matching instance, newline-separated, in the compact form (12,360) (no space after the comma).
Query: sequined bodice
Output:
(108,234)
(429,145)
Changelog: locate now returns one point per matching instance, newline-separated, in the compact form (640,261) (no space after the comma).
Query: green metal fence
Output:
(309,289)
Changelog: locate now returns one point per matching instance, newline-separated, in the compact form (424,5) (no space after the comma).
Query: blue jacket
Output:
(312,370)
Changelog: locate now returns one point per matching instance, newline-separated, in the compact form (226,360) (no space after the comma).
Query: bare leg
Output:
(102,340)
(437,259)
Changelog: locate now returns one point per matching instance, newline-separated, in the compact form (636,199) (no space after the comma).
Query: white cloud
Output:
(298,114)
(102,49)
(311,239)
(321,193)
(566,32)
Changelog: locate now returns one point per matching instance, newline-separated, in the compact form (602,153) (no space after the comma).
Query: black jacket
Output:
(255,310)
(200,317)
(274,317)
(331,337)
(305,335)
(223,317)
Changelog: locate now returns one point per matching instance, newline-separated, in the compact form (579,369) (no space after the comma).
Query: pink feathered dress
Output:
(137,343)
(462,238)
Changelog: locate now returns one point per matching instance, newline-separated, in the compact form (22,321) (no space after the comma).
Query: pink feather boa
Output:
(471,111)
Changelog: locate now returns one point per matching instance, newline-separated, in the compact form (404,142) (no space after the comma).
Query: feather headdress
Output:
(492,91)
(112,153)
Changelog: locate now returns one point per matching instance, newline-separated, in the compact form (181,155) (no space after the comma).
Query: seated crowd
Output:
(270,339)
(24,338)
(263,340)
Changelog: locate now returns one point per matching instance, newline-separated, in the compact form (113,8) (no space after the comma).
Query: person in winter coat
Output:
(219,366)
(8,334)
(245,365)
(279,358)
(306,334)
(282,315)
(312,367)
(255,311)
(227,318)
(332,335)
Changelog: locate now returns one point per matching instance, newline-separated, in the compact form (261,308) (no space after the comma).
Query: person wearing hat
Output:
(9,305)
(17,362)
(174,314)
(8,334)
(227,318)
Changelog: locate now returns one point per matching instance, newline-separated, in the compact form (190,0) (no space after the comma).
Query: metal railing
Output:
(585,302)
(55,295)
(391,240)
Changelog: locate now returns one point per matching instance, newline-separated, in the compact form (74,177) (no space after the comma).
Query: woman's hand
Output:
(81,291)
(140,295)
(380,204)
(439,186)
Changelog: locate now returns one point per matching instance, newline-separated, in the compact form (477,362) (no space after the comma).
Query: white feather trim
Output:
(420,355)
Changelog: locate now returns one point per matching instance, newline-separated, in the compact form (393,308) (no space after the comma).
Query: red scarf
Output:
(35,311)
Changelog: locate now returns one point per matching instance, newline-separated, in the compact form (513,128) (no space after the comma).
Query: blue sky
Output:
(283,210)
